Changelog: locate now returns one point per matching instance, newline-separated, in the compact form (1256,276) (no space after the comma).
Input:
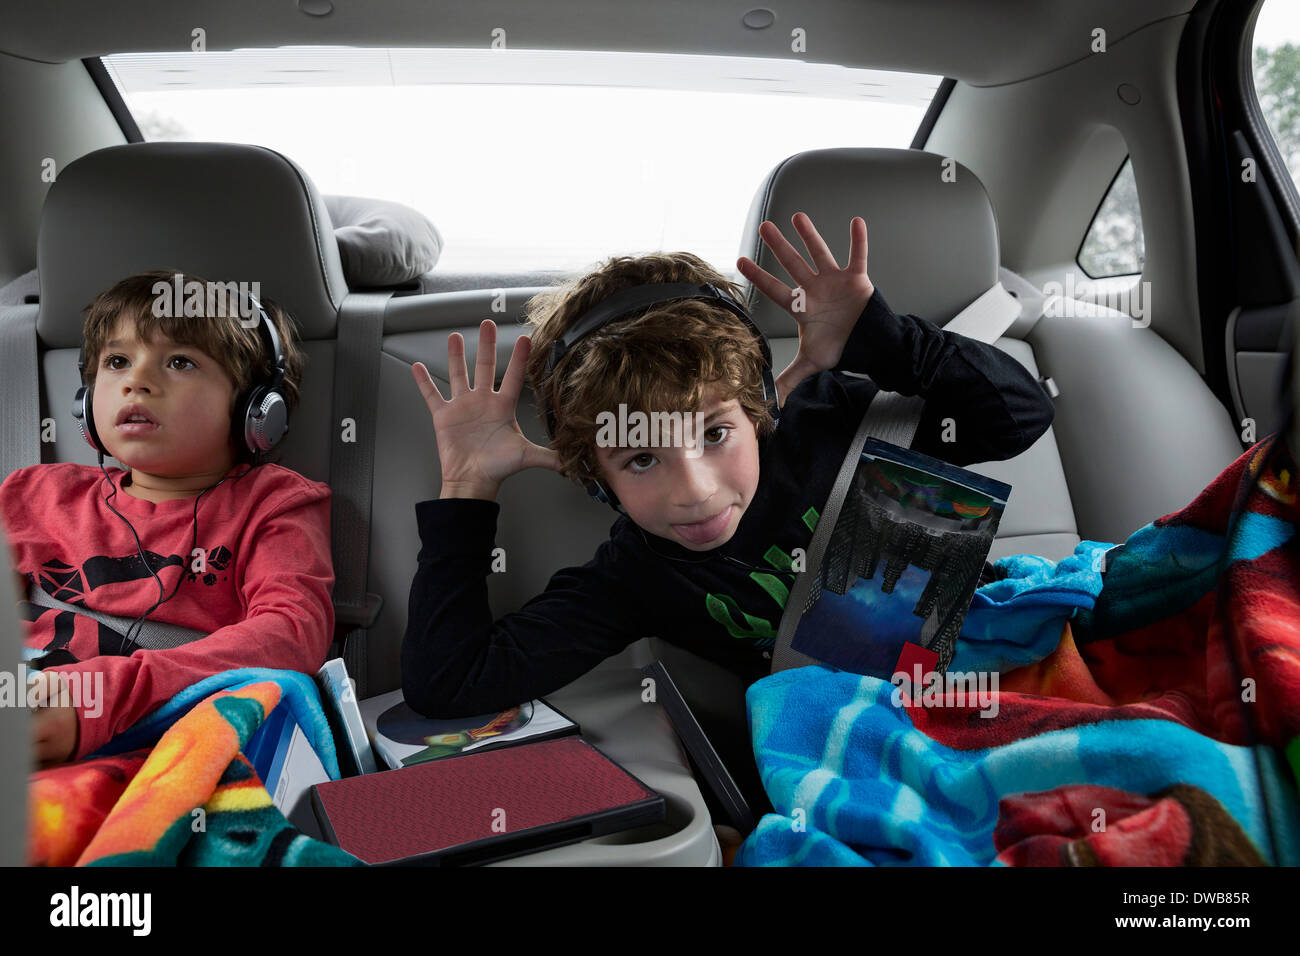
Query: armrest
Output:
(607,704)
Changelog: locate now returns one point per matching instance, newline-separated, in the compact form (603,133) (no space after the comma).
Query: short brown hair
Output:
(661,360)
(241,351)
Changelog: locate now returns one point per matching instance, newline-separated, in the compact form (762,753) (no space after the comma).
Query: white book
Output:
(339,695)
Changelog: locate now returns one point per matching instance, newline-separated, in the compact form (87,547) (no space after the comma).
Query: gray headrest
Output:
(931,236)
(382,243)
(227,212)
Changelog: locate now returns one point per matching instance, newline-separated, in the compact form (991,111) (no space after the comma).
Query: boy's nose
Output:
(696,481)
(137,381)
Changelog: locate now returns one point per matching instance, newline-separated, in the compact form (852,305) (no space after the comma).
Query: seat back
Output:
(226,212)
(1116,456)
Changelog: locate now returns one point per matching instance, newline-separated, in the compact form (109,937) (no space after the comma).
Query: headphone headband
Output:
(271,339)
(639,299)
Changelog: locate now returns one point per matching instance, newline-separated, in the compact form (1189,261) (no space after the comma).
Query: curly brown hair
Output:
(241,351)
(661,360)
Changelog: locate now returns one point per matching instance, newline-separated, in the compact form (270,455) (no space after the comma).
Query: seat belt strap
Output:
(151,635)
(356,397)
(988,316)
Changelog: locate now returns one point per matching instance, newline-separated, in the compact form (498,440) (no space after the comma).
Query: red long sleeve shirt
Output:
(261,589)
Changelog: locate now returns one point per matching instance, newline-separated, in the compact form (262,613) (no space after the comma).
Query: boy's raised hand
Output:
(480,444)
(831,298)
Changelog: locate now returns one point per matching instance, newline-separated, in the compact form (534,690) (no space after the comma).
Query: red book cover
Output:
(484,806)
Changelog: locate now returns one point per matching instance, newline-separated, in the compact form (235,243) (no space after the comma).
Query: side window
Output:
(1277,78)
(1114,245)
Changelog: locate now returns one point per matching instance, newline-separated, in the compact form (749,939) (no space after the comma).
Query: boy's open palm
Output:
(480,443)
(827,300)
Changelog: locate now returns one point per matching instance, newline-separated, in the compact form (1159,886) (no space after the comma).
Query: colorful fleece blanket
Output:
(177,790)
(1147,716)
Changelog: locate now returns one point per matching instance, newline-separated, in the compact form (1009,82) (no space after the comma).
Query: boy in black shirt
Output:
(706,550)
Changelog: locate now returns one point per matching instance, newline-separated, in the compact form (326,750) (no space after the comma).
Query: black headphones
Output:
(638,299)
(261,414)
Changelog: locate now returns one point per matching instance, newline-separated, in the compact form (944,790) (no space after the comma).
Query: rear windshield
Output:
(531,160)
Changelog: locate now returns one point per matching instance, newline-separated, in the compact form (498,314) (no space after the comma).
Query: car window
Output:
(528,159)
(1113,245)
(1277,77)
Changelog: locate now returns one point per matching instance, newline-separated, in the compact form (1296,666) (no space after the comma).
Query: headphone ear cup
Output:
(261,419)
(595,490)
(602,494)
(84,413)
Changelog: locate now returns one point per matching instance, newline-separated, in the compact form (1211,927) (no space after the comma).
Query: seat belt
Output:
(151,635)
(988,316)
(356,397)
(1033,306)
(20,388)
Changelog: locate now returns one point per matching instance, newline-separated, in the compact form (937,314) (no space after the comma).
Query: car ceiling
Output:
(983,43)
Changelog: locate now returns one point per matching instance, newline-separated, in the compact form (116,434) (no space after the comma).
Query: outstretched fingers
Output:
(512,383)
(858,245)
(818,251)
(485,368)
(428,388)
(457,373)
(766,283)
(786,254)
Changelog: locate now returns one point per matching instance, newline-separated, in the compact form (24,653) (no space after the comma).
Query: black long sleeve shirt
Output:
(724,604)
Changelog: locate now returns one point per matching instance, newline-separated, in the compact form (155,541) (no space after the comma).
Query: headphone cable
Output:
(138,624)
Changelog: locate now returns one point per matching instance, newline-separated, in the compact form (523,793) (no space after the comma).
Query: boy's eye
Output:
(181,358)
(724,429)
(636,464)
(109,361)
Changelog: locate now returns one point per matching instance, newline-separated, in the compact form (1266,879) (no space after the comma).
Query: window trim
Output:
(937,103)
(1078,253)
(113,99)
(1260,134)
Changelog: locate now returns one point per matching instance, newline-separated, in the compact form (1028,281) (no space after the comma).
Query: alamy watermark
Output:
(196,299)
(978,689)
(639,429)
(1083,299)
(80,689)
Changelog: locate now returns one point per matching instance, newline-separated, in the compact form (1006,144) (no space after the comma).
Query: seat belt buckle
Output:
(358,615)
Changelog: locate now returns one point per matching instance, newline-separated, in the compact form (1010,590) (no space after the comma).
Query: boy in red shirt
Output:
(198,530)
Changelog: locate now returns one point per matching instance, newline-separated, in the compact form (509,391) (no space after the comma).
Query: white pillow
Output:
(382,243)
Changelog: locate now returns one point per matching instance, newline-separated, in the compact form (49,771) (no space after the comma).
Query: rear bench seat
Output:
(1116,457)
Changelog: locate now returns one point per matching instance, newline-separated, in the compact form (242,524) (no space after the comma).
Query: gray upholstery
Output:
(1140,433)
(1118,454)
(932,250)
(933,245)
(223,211)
